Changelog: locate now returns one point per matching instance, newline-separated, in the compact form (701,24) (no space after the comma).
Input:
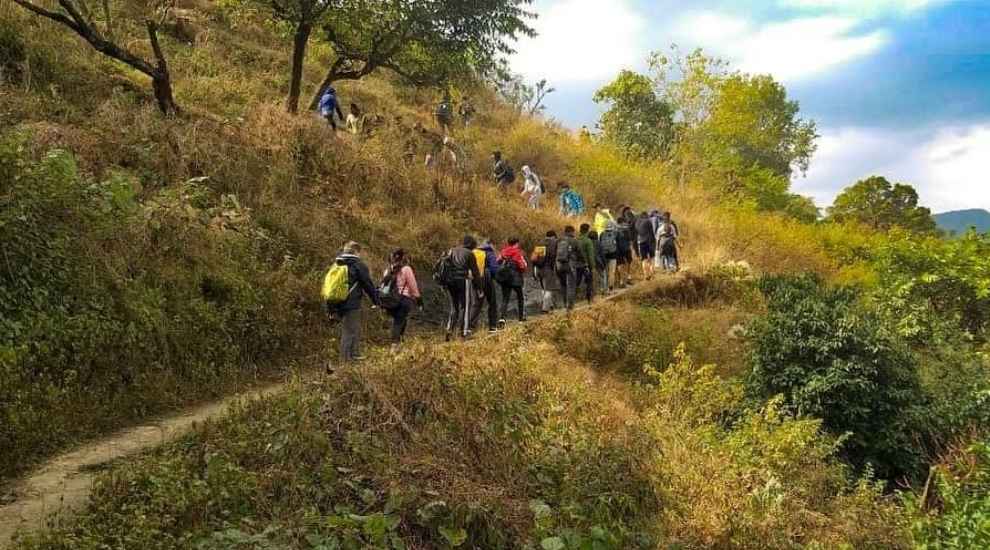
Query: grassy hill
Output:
(960,221)
(151,263)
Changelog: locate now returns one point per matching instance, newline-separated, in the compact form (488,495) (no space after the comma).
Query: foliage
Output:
(962,517)
(424,42)
(637,120)
(831,359)
(878,204)
(931,285)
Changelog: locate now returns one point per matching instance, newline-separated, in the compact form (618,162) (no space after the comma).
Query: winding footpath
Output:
(63,484)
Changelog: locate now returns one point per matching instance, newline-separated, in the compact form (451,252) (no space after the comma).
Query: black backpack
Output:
(510,174)
(443,269)
(506,272)
(388,292)
(566,251)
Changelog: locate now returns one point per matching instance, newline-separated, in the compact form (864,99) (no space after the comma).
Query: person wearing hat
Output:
(330,106)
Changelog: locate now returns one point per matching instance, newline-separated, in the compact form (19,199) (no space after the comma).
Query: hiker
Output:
(655,219)
(466,112)
(624,254)
(646,242)
(584,269)
(608,242)
(602,218)
(569,256)
(667,236)
(343,289)
(571,203)
(584,135)
(532,186)
(510,273)
(487,260)
(600,267)
(330,106)
(399,293)
(444,115)
(355,120)
(544,260)
(458,272)
(503,173)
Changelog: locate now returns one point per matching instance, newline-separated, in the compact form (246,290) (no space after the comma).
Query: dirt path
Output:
(63,484)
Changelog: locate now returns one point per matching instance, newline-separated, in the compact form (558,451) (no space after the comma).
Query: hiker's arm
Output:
(340,114)
(364,279)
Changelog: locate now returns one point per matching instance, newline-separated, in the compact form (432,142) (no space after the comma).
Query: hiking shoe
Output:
(501,323)
(492,330)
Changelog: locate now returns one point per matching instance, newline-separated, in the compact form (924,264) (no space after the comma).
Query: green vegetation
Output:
(793,389)
(877,203)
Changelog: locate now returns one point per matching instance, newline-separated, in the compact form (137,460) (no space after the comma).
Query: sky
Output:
(898,88)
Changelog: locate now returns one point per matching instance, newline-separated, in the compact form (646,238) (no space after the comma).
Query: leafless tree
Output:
(76,15)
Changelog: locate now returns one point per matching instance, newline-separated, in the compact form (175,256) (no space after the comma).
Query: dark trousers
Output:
(490,301)
(350,335)
(507,291)
(568,288)
(583,275)
(457,294)
(400,318)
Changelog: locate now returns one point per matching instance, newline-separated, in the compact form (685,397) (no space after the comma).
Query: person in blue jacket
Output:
(330,106)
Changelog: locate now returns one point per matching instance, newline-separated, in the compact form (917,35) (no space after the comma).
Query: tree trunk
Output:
(161,79)
(300,41)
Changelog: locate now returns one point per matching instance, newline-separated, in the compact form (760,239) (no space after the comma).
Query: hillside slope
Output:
(158,262)
(960,221)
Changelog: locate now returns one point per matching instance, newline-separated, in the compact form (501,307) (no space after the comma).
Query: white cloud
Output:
(789,50)
(949,167)
(582,40)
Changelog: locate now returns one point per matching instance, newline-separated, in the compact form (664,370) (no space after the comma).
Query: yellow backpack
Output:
(335,289)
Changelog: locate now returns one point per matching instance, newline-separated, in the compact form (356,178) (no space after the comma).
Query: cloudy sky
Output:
(899,88)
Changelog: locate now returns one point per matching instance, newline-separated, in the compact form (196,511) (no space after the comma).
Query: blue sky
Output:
(899,88)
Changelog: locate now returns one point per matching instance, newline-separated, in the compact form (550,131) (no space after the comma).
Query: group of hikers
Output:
(484,275)
(533,188)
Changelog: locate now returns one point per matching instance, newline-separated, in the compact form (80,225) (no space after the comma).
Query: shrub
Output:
(832,360)
(962,490)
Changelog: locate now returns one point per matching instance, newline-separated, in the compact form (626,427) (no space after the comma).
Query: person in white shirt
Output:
(667,235)
(532,187)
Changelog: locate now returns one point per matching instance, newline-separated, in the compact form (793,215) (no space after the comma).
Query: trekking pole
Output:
(467,305)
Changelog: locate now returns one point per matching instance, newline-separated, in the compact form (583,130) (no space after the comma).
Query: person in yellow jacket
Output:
(602,218)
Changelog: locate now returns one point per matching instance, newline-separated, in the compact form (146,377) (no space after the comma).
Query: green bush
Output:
(831,359)
(963,516)
(97,326)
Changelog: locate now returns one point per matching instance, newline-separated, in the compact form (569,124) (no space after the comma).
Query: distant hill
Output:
(961,220)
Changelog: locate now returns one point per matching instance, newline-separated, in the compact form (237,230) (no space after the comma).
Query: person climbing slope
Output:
(458,272)
(487,260)
(399,287)
(532,187)
(510,275)
(569,257)
(584,268)
(602,218)
(544,261)
(571,202)
(344,287)
(646,243)
(329,106)
(503,174)
(667,236)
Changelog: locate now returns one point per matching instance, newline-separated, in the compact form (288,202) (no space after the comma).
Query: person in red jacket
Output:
(512,266)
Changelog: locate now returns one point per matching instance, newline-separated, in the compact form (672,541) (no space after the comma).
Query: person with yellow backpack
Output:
(344,287)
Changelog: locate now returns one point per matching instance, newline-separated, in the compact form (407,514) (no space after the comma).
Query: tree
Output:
(523,97)
(881,205)
(637,121)
(76,15)
(753,123)
(425,42)
(303,15)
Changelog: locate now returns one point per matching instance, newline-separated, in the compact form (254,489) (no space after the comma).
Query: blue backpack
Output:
(575,203)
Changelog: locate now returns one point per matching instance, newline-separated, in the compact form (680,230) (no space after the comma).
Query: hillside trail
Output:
(63,484)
